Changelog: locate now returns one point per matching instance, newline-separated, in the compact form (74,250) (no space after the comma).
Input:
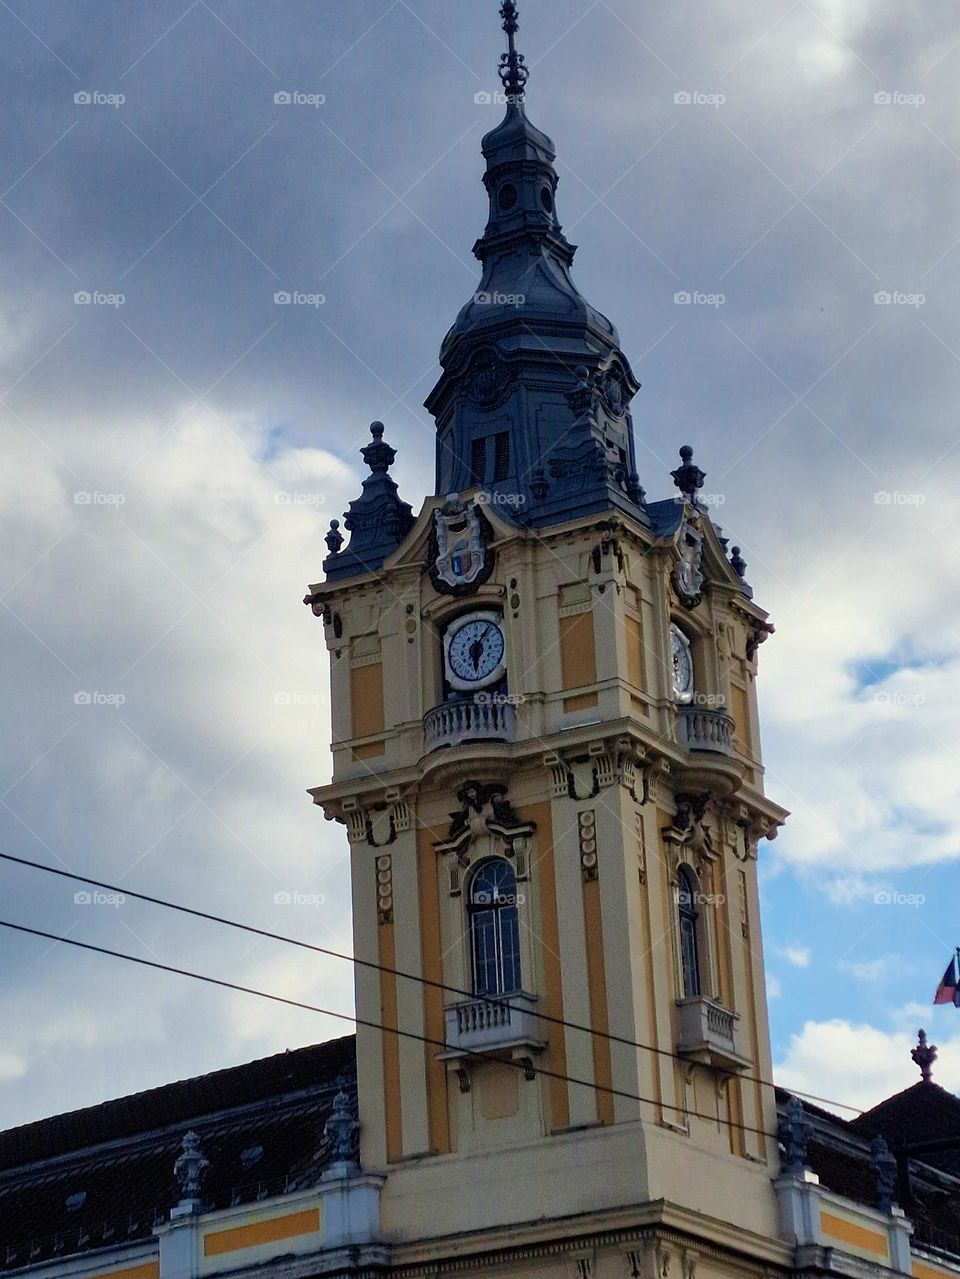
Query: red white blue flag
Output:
(948,992)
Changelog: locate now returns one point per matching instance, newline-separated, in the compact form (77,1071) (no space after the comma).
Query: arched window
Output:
(687,912)
(494,928)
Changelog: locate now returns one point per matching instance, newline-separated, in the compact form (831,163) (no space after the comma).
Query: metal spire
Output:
(513,71)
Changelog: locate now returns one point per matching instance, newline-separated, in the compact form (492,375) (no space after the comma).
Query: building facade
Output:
(547,763)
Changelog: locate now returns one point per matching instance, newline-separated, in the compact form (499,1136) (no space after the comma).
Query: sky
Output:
(175,442)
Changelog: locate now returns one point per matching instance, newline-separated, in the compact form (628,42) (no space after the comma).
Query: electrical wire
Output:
(527,1066)
(394,972)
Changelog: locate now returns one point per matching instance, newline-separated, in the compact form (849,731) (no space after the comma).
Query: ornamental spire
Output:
(513,70)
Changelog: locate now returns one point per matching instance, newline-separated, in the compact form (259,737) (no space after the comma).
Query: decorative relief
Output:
(485,825)
(587,824)
(384,889)
(688,574)
(605,764)
(689,829)
(377,826)
(488,380)
(641,846)
(460,556)
(742,903)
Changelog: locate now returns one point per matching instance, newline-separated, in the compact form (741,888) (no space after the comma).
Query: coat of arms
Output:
(462,559)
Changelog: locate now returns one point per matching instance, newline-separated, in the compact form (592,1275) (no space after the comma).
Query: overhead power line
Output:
(504,1001)
(525,1066)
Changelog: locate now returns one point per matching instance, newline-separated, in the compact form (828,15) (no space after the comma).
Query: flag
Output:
(948,992)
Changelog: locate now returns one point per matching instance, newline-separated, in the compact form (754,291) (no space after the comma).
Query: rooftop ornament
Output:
(886,1173)
(189,1170)
(795,1133)
(924,1055)
(342,1131)
(688,477)
(513,71)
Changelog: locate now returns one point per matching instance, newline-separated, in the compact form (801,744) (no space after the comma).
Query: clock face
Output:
(475,652)
(682,665)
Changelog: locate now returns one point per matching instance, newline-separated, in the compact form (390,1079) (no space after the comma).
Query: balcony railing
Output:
(706,729)
(485,1025)
(707,1032)
(456,722)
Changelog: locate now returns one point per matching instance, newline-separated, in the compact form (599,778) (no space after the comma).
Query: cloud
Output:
(774,987)
(859,1064)
(231,432)
(798,956)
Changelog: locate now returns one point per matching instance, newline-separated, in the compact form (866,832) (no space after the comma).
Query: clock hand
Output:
(476,652)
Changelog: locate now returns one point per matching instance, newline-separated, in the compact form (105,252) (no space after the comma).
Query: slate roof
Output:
(103,1176)
(924,1112)
(929,1185)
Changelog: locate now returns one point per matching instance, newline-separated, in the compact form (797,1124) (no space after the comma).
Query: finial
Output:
(924,1055)
(513,71)
(737,562)
(886,1173)
(378,456)
(688,477)
(342,1128)
(189,1169)
(795,1133)
(334,538)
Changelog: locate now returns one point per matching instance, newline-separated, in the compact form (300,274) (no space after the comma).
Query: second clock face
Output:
(682,665)
(475,651)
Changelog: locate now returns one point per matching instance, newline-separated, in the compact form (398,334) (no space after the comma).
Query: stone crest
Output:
(460,558)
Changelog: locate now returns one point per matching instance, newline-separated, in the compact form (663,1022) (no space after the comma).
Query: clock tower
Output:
(547,760)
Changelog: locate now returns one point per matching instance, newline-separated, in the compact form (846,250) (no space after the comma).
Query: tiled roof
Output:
(925,1112)
(839,1153)
(103,1176)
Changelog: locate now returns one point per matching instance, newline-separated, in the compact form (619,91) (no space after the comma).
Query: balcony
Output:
(707,1034)
(457,722)
(703,729)
(482,1025)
